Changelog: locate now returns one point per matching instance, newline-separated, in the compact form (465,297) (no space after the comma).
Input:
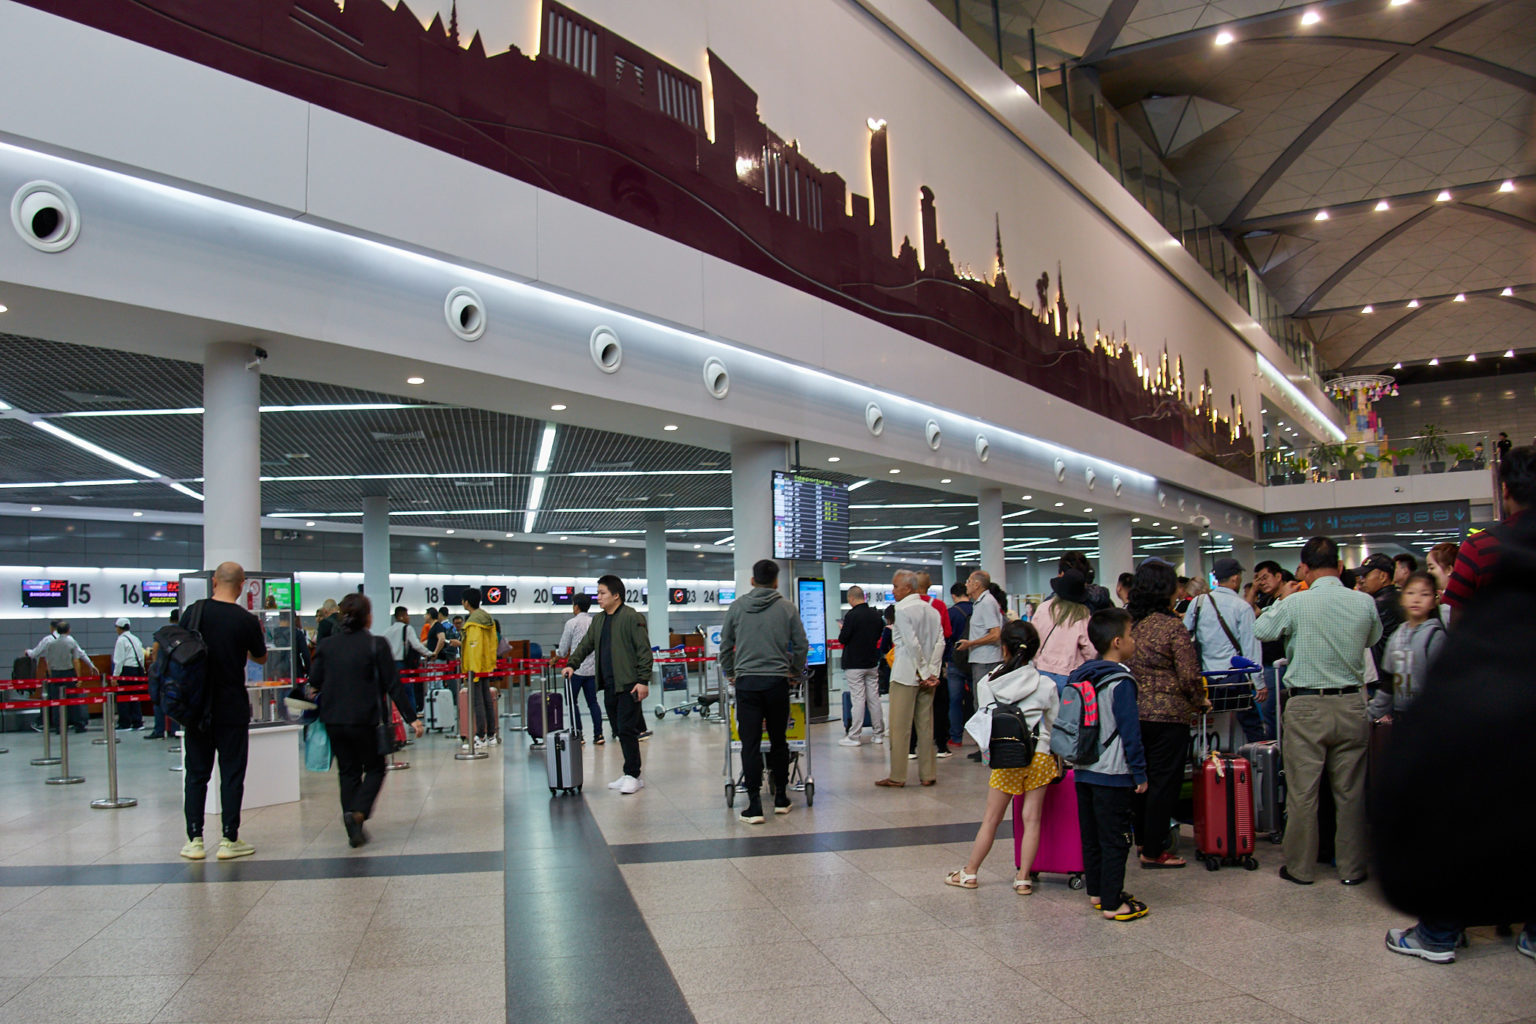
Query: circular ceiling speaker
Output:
(1118,484)
(983,447)
(1092,477)
(1061,469)
(465,313)
(45,216)
(1162,498)
(933,435)
(607,351)
(717,379)
(874,419)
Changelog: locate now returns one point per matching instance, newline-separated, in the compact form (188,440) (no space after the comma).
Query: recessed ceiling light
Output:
(1396,3)
(1029,497)
(1509,353)
(511,535)
(1413,303)
(612,541)
(670,426)
(1157,524)
(137,514)
(557,407)
(946,480)
(448,531)
(1507,293)
(1135,519)
(1224,38)
(1311,18)
(564,537)
(893,472)
(3,308)
(834,458)
(415,380)
(1444,196)
(1472,357)
(1321,215)
(698,545)
(1435,361)
(1382,206)
(1087,510)
(39,508)
(538,547)
(1369,309)
(1460,297)
(1397,366)
(1059,504)
(310,523)
(1507,186)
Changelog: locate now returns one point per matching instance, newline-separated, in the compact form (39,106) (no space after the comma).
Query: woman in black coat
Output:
(352,674)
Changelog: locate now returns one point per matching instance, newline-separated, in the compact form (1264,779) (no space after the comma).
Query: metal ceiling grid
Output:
(33,456)
(51,377)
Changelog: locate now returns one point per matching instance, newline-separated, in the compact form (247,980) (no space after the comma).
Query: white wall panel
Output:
(762,313)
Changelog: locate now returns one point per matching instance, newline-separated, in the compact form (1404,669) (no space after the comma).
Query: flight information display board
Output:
(45,593)
(160,593)
(810,518)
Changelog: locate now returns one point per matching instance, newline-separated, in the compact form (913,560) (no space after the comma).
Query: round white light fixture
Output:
(894,472)
(137,514)
(1224,38)
(45,216)
(607,350)
(310,523)
(448,531)
(874,419)
(946,480)
(3,307)
(557,407)
(1091,477)
(834,458)
(1059,504)
(670,426)
(612,541)
(37,508)
(717,379)
(415,380)
(465,313)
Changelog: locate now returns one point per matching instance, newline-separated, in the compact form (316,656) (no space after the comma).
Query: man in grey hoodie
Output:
(762,650)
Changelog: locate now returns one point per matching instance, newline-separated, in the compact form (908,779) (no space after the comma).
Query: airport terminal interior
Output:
(858,346)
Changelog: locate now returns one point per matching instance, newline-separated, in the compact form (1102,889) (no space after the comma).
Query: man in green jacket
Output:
(619,639)
(762,650)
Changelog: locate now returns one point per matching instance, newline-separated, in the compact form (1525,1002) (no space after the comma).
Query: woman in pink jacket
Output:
(1062,623)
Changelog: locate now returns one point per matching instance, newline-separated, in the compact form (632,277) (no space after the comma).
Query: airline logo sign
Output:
(1424,515)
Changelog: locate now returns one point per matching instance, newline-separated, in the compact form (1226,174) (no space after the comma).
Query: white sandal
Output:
(1024,886)
(960,879)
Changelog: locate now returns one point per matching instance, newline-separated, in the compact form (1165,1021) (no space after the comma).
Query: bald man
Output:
(233,636)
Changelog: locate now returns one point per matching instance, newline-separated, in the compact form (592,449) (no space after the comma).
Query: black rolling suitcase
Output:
(562,751)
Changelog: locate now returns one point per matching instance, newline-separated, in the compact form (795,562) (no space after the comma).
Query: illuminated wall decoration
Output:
(600,121)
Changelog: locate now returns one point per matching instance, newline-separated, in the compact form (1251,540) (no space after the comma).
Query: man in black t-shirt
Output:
(232,635)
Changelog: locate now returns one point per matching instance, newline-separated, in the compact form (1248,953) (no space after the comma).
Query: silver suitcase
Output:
(562,752)
(441,714)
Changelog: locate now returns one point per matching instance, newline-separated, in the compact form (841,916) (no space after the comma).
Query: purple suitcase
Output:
(535,715)
(1061,843)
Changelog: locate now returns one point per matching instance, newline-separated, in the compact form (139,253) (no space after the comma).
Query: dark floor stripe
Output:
(578,949)
(254,869)
(800,842)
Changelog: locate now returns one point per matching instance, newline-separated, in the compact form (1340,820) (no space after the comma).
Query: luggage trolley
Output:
(1229,691)
(796,736)
(675,670)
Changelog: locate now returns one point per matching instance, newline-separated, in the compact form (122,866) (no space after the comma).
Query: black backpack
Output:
(183,664)
(1013,742)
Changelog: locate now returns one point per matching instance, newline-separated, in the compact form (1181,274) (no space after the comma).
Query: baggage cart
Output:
(797,737)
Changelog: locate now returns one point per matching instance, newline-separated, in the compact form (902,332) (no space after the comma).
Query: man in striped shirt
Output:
(1475,560)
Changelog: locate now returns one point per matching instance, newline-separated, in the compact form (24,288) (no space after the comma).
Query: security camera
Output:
(1201,521)
(258,356)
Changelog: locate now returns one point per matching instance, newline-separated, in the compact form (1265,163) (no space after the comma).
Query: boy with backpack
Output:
(1100,719)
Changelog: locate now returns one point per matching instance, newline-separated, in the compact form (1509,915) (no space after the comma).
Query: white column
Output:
(231,456)
(752,466)
(947,569)
(989,513)
(376,559)
(1193,565)
(1115,550)
(832,572)
(658,605)
(1018,576)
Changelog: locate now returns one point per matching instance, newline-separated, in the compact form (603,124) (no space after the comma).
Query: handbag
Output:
(1012,743)
(384,741)
(317,747)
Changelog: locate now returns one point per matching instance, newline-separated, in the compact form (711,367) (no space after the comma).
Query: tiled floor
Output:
(852,928)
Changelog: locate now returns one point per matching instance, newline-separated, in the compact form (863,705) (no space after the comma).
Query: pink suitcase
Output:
(1061,844)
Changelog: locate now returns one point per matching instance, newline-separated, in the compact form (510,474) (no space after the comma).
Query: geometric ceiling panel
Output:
(1153,20)
(1176,121)
(1445,330)
(1270,249)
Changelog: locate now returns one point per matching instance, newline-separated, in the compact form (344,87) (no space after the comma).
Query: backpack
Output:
(1013,742)
(410,658)
(1075,737)
(183,664)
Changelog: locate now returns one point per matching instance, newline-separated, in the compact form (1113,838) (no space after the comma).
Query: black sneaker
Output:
(354,825)
(753,815)
(974,755)
(781,803)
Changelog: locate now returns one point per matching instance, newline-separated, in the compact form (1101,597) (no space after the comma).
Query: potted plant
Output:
(1432,447)
(1324,456)
(1464,456)
(1349,461)
(1398,457)
(1298,466)
(1372,464)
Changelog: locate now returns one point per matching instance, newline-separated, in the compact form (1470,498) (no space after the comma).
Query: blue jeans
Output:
(1270,680)
(956,678)
(586,685)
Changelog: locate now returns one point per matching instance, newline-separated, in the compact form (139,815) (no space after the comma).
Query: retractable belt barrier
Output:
(133,688)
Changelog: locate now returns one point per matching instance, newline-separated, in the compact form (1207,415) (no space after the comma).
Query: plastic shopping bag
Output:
(979,726)
(317,747)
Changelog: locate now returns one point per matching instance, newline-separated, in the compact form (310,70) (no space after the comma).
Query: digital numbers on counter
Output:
(810,518)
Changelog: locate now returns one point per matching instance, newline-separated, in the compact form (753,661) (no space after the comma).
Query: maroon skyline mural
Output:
(600,121)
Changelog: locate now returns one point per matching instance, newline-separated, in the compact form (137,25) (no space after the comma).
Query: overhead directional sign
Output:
(1424,515)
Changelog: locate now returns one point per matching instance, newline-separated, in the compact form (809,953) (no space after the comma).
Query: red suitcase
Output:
(1061,841)
(1224,830)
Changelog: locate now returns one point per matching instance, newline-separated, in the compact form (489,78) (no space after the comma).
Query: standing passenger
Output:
(919,646)
(623,648)
(128,659)
(860,637)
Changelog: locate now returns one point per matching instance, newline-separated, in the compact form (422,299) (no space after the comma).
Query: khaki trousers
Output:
(1324,734)
(909,703)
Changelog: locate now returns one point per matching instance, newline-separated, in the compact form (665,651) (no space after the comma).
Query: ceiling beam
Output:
(1459,194)
(1312,132)
(1348,266)
(1465,61)
(1110,27)
(1353,361)
(1388,305)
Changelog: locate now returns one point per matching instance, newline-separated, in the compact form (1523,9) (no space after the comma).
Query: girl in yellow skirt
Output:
(1016,681)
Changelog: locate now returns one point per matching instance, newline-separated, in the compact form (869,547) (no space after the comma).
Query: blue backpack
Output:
(183,665)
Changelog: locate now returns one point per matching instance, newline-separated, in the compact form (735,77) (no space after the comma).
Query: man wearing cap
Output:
(1221,624)
(128,660)
(1376,575)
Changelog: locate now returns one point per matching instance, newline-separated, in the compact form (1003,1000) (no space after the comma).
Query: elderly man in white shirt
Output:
(56,655)
(128,660)
(918,639)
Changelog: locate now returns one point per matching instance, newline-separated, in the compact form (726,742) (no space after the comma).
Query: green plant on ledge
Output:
(1432,446)
(1465,457)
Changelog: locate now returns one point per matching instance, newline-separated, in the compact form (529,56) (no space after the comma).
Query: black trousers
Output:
(1104,820)
(232,744)
(75,714)
(359,765)
(1167,748)
(627,720)
(756,709)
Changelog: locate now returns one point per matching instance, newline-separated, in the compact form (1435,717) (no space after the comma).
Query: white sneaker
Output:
(480,743)
(911,757)
(878,739)
(616,783)
(849,741)
(630,785)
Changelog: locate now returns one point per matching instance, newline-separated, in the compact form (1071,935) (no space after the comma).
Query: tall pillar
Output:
(832,572)
(1116,554)
(1193,565)
(659,604)
(1242,550)
(752,466)
(947,568)
(231,456)
(376,558)
(989,515)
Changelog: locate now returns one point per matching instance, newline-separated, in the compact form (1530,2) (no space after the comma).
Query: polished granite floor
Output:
(481,899)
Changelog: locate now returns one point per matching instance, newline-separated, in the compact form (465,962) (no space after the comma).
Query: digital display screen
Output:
(162,593)
(45,593)
(284,592)
(453,594)
(810,518)
(678,595)
(495,595)
(811,595)
(727,595)
(590,591)
(563,595)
